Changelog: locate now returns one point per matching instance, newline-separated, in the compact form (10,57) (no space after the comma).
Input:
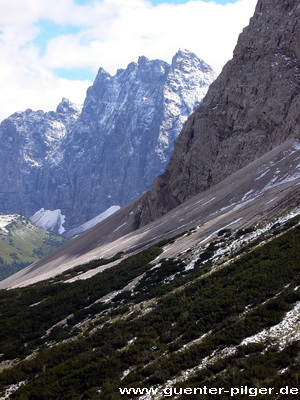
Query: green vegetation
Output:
(28,313)
(23,245)
(168,322)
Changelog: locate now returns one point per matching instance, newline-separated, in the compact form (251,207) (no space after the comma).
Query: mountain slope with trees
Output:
(194,284)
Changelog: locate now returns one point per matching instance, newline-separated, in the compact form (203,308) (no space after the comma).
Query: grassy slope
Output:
(156,332)
(24,245)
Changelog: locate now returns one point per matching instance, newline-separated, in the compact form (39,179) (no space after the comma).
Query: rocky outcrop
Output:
(251,107)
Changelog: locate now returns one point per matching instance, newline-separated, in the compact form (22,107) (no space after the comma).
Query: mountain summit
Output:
(84,162)
(125,134)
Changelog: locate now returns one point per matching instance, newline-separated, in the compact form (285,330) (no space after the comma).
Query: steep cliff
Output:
(125,134)
(29,143)
(81,163)
(251,107)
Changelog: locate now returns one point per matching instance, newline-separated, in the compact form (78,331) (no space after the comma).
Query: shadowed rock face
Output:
(252,107)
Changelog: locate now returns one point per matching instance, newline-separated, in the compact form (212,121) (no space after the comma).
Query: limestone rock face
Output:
(125,134)
(29,142)
(250,108)
(82,162)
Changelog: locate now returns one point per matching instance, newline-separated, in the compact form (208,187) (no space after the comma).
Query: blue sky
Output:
(49,29)
(51,49)
(155,2)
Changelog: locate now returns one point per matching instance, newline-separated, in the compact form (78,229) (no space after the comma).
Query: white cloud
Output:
(112,34)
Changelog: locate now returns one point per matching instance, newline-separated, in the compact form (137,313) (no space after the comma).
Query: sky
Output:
(52,49)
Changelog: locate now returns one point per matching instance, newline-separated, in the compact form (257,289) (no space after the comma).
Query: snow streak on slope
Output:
(89,224)
(288,330)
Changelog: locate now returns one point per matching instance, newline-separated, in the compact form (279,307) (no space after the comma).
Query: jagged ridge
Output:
(82,163)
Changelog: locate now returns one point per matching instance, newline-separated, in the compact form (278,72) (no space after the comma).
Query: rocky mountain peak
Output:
(129,122)
(66,107)
(142,61)
(208,287)
(81,163)
(185,60)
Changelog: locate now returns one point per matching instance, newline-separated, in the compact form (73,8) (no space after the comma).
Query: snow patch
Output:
(5,220)
(13,388)
(94,221)
(49,220)
(288,330)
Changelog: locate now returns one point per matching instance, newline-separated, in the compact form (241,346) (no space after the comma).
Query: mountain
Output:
(235,127)
(201,302)
(82,162)
(22,243)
